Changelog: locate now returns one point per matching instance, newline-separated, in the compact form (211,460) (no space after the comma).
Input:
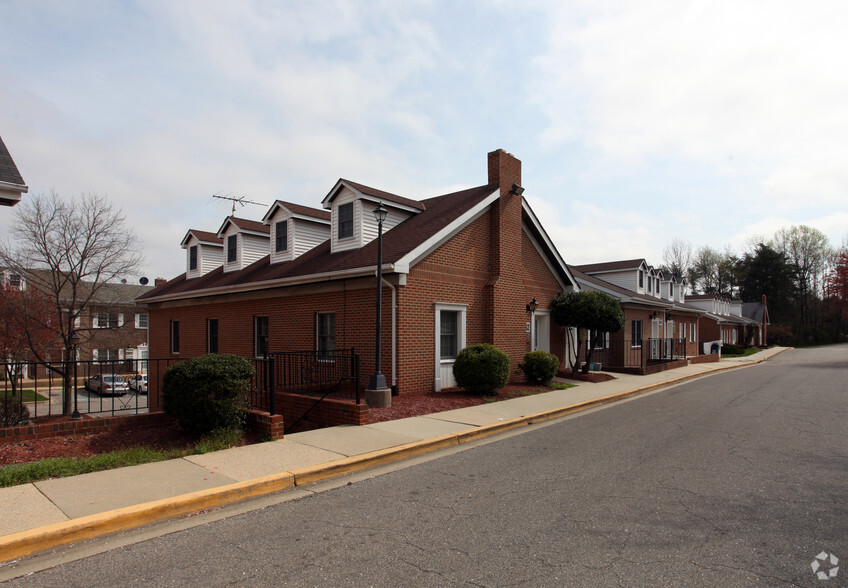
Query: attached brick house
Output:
(457,269)
(112,330)
(659,324)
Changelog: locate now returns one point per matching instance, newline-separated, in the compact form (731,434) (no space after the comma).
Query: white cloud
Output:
(753,89)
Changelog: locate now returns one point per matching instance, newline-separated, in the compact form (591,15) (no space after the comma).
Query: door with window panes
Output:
(450,340)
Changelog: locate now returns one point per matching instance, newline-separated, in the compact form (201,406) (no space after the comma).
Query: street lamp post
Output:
(378,394)
(75,416)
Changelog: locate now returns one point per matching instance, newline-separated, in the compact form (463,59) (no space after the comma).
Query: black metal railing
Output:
(667,349)
(40,386)
(333,373)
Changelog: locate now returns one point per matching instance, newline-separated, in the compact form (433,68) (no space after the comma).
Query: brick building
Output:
(458,269)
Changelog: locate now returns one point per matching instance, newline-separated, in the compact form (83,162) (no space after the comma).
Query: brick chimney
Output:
(159,281)
(508,294)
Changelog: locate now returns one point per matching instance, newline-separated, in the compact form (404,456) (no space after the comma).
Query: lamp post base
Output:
(380,398)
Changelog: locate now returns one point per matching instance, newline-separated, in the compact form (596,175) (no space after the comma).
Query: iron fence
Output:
(39,387)
(334,373)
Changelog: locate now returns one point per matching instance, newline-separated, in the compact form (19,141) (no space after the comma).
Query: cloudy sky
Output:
(636,122)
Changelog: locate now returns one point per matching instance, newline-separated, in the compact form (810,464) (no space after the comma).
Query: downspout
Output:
(394,337)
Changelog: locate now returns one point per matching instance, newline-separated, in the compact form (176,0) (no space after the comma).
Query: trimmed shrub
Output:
(481,368)
(539,366)
(12,412)
(728,349)
(208,393)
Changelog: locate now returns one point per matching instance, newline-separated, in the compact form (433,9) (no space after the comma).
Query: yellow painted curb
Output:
(49,536)
(340,467)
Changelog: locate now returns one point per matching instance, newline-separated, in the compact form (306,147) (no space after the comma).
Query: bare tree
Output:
(677,258)
(68,250)
(809,254)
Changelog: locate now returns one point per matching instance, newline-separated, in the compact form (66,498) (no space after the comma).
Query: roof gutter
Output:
(358,272)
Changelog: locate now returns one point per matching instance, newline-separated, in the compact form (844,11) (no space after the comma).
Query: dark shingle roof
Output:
(306,210)
(246,225)
(609,266)
(378,194)
(8,170)
(399,241)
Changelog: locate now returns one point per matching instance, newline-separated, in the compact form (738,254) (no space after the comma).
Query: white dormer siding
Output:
(364,224)
(249,247)
(207,256)
(302,233)
(301,236)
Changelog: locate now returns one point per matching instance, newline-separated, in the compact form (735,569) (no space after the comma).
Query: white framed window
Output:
(281,236)
(108,320)
(175,336)
(232,248)
(345,220)
(141,320)
(260,329)
(636,333)
(325,334)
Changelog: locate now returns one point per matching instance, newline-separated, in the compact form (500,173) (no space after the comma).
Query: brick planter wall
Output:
(713,357)
(328,413)
(267,425)
(86,425)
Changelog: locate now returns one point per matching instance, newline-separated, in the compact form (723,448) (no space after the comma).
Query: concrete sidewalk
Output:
(42,515)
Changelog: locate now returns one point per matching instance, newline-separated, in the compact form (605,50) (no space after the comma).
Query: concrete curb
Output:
(29,542)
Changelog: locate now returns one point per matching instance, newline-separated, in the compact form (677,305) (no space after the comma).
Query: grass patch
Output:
(25,395)
(61,467)
(562,385)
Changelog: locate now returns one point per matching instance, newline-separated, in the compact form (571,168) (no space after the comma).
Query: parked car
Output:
(138,383)
(111,384)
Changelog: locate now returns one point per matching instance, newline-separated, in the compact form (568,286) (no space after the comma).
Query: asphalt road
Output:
(731,480)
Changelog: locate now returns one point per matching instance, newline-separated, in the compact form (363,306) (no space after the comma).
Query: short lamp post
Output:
(75,416)
(531,308)
(378,394)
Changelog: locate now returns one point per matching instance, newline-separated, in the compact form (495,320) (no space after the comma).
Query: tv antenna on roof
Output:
(236,199)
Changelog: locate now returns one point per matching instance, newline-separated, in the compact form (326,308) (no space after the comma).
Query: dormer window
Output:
(641,279)
(346,220)
(281,239)
(192,257)
(232,245)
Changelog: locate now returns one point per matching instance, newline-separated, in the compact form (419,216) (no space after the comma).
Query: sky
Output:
(714,122)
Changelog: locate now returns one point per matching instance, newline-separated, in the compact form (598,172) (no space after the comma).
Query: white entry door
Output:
(542,332)
(450,340)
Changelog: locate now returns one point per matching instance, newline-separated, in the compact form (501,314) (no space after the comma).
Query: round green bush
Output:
(539,366)
(481,368)
(208,392)
(12,412)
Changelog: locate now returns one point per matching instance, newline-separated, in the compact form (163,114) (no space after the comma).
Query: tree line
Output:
(804,278)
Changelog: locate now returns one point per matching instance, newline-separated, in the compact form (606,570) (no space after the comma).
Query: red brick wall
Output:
(491,266)
(86,425)
(291,323)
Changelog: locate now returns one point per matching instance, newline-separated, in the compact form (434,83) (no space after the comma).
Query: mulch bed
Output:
(172,436)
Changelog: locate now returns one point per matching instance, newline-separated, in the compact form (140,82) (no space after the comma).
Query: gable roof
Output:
(11,181)
(611,266)
(756,311)
(624,295)
(298,210)
(403,246)
(245,226)
(372,194)
(204,237)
